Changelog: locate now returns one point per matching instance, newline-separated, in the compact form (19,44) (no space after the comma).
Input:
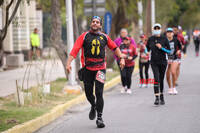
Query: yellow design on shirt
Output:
(95,46)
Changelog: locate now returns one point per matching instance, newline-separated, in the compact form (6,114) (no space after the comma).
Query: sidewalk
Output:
(37,72)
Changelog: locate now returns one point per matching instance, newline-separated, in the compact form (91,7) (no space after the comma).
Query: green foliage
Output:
(13,116)
(191,17)
(178,12)
(166,10)
(128,6)
(45,5)
(79,6)
(183,6)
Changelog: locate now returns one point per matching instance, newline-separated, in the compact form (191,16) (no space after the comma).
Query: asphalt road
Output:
(136,113)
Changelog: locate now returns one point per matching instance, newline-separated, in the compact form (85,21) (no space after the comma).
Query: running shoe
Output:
(175,92)
(92,113)
(129,91)
(144,85)
(156,101)
(170,91)
(162,101)
(100,123)
(147,85)
(123,90)
(140,85)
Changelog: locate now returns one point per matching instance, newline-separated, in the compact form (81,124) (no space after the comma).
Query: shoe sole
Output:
(156,103)
(162,103)
(100,126)
(92,118)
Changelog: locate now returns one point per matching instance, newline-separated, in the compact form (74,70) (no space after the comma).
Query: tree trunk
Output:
(8,20)
(148,18)
(56,33)
(1,53)
(120,20)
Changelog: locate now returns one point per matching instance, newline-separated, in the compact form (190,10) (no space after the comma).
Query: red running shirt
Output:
(129,51)
(93,49)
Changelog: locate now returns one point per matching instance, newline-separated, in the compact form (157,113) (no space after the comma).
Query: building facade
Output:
(26,19)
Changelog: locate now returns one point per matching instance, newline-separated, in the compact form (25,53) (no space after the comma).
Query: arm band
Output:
(145,51)
(166,50)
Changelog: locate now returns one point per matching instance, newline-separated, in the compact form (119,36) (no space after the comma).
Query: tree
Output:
(58,18)
(8,20)
(182,8)
(193,14)
(166,10)
(124,13)
(56,32)
(178,12)
(148,18)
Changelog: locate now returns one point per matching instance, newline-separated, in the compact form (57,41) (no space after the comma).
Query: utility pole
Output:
(140,23)
(153,19)
(94,13)
(70,40)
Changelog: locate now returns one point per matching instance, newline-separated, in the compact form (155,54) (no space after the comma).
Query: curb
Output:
(59,110)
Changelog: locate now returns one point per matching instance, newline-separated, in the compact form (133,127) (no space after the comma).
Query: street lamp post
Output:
(70,39)
(140,8)
(94,13)
(153,19)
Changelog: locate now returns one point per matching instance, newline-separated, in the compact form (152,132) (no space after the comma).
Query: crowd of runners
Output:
(162,52)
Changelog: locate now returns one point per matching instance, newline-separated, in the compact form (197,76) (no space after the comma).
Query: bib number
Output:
(100,76)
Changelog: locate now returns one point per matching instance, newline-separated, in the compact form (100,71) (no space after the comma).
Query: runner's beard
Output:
(96,29)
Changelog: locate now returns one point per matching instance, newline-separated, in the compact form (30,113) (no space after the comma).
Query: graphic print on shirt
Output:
(172,47)
(95,47)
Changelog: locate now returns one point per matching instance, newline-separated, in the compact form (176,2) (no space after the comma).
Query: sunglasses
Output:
(156,28)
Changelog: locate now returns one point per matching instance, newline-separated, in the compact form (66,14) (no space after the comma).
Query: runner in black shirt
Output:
(173,60)
(159,46)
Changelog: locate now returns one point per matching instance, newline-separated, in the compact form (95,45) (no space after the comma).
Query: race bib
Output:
(100,76)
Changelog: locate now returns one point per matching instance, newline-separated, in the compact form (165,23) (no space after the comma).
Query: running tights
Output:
(126,75)
(146,66)
(159,74)
(196,46)
(89,81)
